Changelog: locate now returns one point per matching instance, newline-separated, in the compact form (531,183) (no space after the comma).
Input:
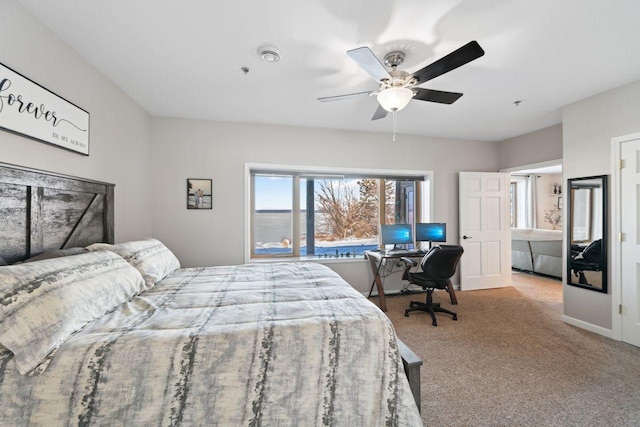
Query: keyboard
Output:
(404,252)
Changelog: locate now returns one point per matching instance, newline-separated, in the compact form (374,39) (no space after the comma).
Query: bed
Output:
(96,333)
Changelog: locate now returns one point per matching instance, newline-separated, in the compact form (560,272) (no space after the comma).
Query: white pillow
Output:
(43,303)
(151,257)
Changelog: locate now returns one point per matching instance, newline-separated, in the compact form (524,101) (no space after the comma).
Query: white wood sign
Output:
(28,109)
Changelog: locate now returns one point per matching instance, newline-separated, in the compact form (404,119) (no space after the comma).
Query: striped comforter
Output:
(252,345)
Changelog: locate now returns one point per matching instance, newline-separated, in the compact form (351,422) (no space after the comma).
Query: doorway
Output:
(537,203)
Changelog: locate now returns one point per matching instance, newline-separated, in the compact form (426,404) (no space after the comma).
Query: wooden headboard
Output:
(41,211)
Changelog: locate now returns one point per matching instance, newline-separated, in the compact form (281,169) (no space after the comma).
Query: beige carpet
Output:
(509,360)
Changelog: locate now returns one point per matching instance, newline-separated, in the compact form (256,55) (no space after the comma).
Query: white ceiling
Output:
(184,58)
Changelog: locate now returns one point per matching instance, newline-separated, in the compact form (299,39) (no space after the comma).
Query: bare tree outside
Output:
(390,202)
(347,214)
(368,205)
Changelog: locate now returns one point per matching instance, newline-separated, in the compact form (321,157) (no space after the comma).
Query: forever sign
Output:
(31,110)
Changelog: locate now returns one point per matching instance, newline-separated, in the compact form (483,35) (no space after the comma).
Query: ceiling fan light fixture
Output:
(395,98)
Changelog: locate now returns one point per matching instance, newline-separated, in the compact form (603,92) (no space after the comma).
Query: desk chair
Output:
(587,259)
(438,265)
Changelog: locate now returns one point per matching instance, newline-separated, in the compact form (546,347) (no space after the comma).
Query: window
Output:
(273,218)
(306,213)
(581,208)
(513,202)
(521,202)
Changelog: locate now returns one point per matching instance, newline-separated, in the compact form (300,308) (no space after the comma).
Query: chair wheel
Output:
(455,317)
(406,313)
(434,323)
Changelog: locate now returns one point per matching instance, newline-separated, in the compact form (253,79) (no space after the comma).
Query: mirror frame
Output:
(569,226)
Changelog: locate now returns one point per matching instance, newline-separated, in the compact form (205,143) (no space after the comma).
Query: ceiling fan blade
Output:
(380,113)
(455,59)
(435,95)
(369,62)
(347,96)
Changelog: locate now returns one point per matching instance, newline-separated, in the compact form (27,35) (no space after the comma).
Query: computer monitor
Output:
(431,232)
(396,234)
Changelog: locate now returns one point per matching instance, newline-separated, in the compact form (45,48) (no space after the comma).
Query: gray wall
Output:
(197,149)
(535,147)
(120,129)
(588,127)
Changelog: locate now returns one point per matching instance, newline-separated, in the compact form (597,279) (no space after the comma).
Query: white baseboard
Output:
(588,326)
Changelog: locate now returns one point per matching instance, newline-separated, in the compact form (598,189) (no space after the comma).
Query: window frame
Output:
(423,198)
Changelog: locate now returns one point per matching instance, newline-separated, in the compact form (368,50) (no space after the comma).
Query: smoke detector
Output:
(269,54)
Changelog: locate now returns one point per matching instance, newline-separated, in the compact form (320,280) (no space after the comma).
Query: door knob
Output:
(466,237)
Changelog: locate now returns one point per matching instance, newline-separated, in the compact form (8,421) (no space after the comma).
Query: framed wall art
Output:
(28,109)
(199,193)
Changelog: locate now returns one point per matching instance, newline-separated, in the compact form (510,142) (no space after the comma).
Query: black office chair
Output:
(587,259)
(438,265)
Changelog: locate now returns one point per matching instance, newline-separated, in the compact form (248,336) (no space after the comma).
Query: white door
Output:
(630,245)
(485,231)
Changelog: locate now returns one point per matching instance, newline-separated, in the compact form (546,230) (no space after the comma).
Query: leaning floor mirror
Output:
(587,232)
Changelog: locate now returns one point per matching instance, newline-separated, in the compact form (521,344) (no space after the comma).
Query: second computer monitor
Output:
(431,232)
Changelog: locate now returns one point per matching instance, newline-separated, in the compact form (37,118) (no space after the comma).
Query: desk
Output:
(376,260)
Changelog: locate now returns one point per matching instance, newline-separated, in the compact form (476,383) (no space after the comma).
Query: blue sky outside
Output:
(273,192)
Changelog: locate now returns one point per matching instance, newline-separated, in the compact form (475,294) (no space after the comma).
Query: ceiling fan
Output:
(398,87)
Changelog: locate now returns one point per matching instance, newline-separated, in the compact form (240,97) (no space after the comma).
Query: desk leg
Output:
(452,293)
(376,278)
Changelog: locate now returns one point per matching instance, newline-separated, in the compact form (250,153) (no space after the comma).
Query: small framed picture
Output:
(199,194)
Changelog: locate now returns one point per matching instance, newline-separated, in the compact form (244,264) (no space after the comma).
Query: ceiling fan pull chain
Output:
(395,124)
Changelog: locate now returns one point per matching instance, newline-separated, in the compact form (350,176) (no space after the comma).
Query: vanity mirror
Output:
(587,232)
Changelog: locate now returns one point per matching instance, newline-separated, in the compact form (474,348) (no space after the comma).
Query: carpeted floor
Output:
(509,360)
